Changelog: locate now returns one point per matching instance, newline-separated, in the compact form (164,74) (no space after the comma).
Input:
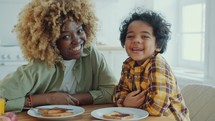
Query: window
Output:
(192,34)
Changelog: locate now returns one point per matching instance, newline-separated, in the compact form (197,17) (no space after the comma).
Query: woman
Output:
(56,37)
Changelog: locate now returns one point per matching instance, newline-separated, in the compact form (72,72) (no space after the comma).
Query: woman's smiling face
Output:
(140,42)
(71,40)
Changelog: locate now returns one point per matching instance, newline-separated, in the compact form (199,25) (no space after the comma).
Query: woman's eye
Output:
(80,31)
(66,37)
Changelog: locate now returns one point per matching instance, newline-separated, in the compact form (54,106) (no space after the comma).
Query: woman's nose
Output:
(75,39)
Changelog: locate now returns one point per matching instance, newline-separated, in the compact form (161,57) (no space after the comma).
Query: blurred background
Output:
(190,51)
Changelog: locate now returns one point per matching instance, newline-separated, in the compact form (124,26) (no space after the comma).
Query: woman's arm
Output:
(83,98)
(58,98)
(98,77)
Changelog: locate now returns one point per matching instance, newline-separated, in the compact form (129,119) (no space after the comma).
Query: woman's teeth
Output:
(77,48)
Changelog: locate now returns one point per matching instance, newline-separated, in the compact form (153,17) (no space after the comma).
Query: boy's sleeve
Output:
(160,89)
(121,90)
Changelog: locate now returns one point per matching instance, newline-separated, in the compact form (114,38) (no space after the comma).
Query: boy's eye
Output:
(129,36)
(145,37)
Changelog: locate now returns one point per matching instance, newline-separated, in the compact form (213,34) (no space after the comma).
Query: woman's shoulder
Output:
(93,56)
(92,51)
(38,64)
(35,66)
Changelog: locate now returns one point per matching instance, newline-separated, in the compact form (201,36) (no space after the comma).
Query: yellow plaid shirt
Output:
(154,76)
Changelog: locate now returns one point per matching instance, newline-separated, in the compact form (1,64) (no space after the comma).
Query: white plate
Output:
(75,109)
(138,113)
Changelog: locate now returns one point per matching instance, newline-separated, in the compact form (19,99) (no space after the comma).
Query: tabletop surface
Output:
(86,116)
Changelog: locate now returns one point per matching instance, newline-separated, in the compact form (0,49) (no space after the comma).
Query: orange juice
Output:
(2,104)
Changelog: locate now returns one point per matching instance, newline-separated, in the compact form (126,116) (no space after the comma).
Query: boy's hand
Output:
(134,99)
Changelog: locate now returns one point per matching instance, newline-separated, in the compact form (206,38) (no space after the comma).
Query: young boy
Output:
(147,81)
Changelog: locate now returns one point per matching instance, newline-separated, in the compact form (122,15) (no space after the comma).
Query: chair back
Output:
(200,100)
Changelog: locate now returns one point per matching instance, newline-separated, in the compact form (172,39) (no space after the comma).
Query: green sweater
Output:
(91,72)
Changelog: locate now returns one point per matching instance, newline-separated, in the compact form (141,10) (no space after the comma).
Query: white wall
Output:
(111,13)
(9,10)
(169,12)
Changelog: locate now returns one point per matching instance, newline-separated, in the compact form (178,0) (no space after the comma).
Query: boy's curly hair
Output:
(161,27)
(40,23)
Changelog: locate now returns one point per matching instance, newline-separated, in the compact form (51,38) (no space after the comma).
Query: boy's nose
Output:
(137,40)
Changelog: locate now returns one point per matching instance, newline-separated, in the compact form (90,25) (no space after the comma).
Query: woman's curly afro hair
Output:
(160,26)
(40,23)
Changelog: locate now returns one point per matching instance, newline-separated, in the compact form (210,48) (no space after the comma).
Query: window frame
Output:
(188,63)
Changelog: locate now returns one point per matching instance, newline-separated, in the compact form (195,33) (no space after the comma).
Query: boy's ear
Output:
(157,49)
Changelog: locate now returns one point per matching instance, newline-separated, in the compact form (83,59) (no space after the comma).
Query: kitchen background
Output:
(189,52)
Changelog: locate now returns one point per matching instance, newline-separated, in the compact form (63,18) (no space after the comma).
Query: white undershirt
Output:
(69,82)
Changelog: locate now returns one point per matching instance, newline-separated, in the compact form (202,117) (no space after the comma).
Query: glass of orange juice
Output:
(2,104)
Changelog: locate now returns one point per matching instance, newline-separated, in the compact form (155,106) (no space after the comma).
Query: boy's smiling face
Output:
(140,41)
